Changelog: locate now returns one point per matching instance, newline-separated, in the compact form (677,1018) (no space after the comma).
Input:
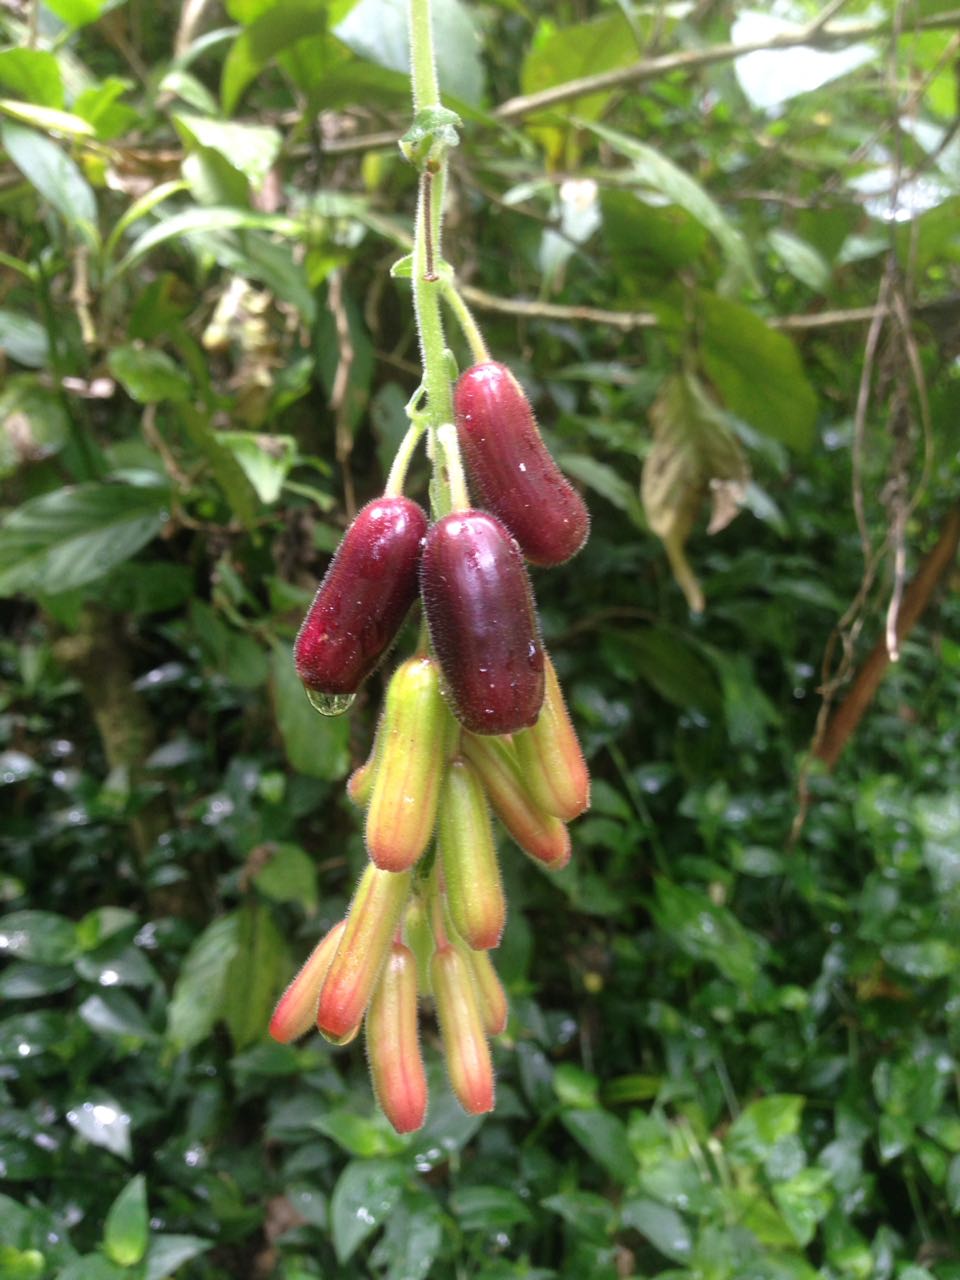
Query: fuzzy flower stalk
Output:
(474,734)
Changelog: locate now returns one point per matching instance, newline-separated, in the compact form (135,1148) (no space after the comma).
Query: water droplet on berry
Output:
(330,704)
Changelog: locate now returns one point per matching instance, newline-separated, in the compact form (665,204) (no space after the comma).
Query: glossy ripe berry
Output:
(512,469)
(479,608)
(364,597)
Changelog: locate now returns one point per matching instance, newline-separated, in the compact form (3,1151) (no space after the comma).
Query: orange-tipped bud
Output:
(469,858)
(551,762)
(419,938)
(538,834)
(371,923)
(465,1045)
(297,1007)
(406,788)
(393,1043)
(491,996)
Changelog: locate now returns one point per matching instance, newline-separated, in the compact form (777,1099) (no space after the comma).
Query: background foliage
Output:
(731,1054)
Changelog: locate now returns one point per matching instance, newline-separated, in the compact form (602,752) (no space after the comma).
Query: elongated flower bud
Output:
(465,1045)
(551,762)
(469,858)
(491,997)
(393,1043)
(297,1007)
(539,834)
(371,923)
(403,803)
(419,938)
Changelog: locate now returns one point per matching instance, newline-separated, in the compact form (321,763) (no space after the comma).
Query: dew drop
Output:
(330,704)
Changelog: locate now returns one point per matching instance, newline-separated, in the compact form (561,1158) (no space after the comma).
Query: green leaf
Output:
(77,13)
(255,977)
(102,1122)
(32,74)
(800,258)
(199,991)
(604,1139)
(804,1200)
(653,170)
(762,1124)
(227,471)
(48,119)
(34,423)
(575,1087)
(606,481)
(139,209)
(359,1135)
(190,221)
(28,981)
(587,1213)
(929,959)
(363,1199)
(662,1226)
(38,935)
(147,375)
(488,1209)
(669,663)
(706,932)
(54,175)
(559,55)
(250,148)
(167,1254)
(21,1264)
(76,534)
(115,1014)
(283,24)
(91,1266)
(756,371)
(412,1240)
(316,745)
(289,876)
(694,456)
(126,1230)
(23,339)
(100,107)
(378,31)
(266,459)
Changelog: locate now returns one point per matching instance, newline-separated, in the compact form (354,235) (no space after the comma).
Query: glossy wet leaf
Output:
(74,535)
(102,1122)
(38,935)
(365,1195)
(126,1231)
(55,175)
(199,991)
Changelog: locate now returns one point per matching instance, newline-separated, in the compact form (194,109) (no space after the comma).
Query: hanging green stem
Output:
(464,317)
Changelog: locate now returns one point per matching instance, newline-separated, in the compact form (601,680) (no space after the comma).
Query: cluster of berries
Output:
(476,720)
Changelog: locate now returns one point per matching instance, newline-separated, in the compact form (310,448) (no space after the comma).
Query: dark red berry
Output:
(512,468)
(479,608)
(364,597)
